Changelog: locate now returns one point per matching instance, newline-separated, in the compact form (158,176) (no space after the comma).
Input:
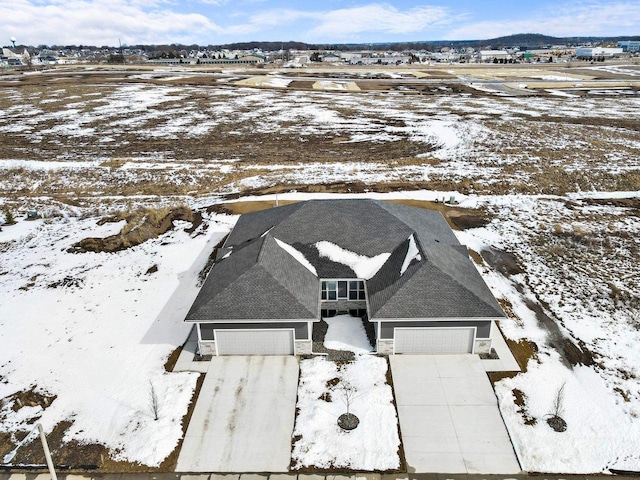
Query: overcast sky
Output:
(103,22)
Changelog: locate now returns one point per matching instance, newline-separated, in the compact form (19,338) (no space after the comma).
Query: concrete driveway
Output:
(243,419)
(449,417)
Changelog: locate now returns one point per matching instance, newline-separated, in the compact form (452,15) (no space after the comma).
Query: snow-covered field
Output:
(95,329)
(127,136)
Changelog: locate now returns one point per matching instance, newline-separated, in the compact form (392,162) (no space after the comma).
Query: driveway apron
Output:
(449,417)
(243,418)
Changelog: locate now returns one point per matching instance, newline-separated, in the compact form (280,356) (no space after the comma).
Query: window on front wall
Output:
(342,290)
(329,290)
(356,290)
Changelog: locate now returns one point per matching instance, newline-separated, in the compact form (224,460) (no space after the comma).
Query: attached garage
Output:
(434,340)
(255,342)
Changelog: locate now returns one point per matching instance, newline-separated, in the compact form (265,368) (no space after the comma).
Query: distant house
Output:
(399,268)
(12,59)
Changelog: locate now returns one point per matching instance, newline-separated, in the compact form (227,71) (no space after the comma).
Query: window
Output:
(356,290)
(342,290)
(329,290)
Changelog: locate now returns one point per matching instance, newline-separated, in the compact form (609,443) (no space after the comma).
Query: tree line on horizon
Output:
(530,40)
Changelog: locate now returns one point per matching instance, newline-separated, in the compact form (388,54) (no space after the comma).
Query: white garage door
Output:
(434,340)
(254,342)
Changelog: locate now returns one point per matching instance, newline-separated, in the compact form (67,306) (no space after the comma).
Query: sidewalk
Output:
(293,476)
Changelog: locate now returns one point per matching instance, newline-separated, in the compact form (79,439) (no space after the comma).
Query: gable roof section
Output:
(444,285)
(259,282)
(252,225)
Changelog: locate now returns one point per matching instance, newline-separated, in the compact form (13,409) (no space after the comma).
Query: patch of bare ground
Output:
(458,218)
(30,398)
(523,351)
(520,399)
(240,208)
(140,227)
(633,204)
(591,121)
(301,85)
(463,186)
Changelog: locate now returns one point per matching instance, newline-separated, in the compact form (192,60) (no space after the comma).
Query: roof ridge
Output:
(270,238)
(405,277)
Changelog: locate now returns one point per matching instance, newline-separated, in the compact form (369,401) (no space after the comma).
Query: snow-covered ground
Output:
(346,333)
(320,442)
(583,263)
(94,329)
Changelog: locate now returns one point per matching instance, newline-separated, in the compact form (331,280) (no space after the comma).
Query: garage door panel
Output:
(254,342)
(434,340)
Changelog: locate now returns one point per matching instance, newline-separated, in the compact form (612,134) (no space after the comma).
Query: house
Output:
(399,268)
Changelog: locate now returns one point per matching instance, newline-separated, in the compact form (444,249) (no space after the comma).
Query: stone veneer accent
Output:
(303,347)
(385,347)
(483,345)
(207,347)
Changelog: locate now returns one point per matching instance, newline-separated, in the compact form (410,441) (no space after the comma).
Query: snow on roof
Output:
(363,266)
(412,254)
(297,255)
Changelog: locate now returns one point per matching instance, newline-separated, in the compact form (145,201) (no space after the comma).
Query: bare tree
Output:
(554,420)
(153,401)
(348,392)
(558,402)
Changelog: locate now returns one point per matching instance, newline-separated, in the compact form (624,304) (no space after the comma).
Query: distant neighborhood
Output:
(23,56)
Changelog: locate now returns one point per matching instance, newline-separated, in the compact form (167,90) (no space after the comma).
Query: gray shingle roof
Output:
(262,281)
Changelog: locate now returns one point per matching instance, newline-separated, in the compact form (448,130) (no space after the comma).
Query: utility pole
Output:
(47,454)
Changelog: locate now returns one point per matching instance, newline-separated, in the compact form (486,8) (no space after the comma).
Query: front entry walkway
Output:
(243,418)
(449,417)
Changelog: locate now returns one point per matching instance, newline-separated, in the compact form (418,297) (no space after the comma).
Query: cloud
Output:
(589,18)
(376,20)
(101,22)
